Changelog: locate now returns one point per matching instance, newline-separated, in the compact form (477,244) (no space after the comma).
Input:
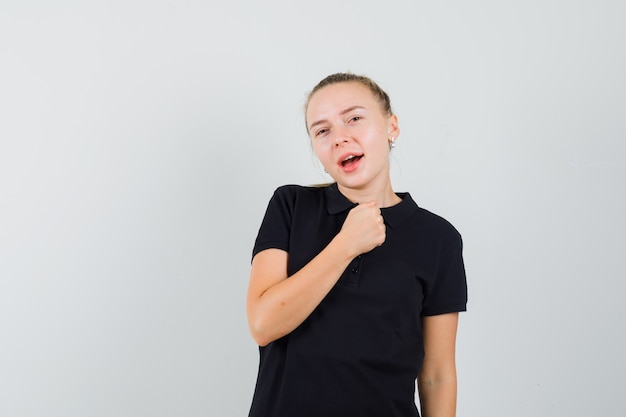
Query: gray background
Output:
(141,141)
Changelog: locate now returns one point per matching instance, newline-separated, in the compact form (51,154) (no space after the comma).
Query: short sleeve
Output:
(276,225)
(448,292)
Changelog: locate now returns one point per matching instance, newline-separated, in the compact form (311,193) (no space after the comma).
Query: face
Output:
(351,134)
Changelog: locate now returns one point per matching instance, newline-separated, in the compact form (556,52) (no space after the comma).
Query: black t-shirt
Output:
(360,351)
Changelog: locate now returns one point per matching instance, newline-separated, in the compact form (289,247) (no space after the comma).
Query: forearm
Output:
(438,395)
(285,305)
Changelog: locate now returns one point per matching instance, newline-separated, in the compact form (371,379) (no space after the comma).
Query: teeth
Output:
(348,158)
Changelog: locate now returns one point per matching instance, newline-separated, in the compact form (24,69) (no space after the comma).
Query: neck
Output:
(383,195)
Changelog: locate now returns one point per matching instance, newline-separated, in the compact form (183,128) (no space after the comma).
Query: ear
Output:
(393,130)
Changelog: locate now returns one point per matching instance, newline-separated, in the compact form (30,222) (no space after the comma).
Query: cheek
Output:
(322,152)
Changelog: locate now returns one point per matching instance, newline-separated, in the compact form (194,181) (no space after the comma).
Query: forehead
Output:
(337,97)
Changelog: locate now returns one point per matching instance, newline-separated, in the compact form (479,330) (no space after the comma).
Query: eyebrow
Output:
(343,112)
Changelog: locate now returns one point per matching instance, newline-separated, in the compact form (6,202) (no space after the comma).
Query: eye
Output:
(355,118)
(321,132)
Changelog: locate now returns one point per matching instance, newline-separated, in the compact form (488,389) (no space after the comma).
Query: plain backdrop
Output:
(140,142)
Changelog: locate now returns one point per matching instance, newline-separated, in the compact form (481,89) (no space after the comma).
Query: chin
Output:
(352,183)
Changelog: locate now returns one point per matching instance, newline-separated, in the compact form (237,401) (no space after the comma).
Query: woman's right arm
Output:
(277,305)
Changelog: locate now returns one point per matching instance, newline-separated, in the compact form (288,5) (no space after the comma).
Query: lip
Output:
(352,166)
(347,154)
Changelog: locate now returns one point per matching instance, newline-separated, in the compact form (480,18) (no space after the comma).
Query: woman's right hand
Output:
(364,228)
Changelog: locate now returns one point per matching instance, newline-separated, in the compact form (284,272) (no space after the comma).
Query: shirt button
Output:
(355,270)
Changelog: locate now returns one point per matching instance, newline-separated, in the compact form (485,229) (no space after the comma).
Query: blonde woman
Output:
(354,289)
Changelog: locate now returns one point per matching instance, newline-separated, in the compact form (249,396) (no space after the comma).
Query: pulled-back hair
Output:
(345,77)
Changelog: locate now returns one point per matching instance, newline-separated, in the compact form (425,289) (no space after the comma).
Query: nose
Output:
(339,141)
(341,136)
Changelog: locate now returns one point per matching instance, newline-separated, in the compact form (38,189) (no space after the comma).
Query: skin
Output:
(346,119)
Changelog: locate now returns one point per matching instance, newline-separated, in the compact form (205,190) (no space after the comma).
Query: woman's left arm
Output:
(436,382)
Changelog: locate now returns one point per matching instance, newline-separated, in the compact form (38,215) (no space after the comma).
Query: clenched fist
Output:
(364,228)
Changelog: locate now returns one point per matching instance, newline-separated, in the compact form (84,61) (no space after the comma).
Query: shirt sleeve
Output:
(448,291)
(276,225)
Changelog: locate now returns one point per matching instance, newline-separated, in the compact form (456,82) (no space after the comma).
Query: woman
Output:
(354,290)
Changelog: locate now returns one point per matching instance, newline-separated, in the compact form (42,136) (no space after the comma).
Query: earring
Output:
(392,143)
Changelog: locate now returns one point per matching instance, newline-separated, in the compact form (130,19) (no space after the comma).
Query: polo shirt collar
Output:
(394,215)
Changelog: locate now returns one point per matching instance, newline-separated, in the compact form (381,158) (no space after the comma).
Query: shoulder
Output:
(293,192)
(289,198)
(435,227)
(437,222)
(295,189)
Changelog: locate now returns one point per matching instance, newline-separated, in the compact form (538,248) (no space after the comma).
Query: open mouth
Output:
(350,159)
